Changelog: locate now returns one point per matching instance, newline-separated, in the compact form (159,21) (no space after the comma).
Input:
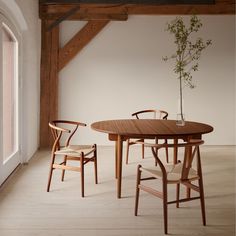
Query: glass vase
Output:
(180,118)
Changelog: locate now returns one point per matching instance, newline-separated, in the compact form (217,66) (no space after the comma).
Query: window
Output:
(10,94)
(9,98)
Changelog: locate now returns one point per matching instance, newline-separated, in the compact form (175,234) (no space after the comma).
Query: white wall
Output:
(31,76)
(121,71)
(24,14)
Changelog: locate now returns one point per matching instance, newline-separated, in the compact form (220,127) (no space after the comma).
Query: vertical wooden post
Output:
(48,81)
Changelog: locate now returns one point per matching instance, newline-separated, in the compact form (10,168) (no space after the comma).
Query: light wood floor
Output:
(26,209)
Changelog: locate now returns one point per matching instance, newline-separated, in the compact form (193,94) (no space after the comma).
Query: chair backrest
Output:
(191,149)
(151,114)
(60,128)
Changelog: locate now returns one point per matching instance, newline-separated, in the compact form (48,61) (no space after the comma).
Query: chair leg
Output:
(177,195)
(95,165)
(127,151)
(201,189)
(188,192)
(95,170)
(63,171)
(137,190)
(82,174)
(167,153)
(143,150)
(50,172)
(165,209)
(202,201)
(156,141)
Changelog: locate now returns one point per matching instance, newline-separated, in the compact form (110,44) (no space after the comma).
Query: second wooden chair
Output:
(63,130)
(147,114)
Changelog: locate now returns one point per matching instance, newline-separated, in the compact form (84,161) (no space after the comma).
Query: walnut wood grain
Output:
(151,128)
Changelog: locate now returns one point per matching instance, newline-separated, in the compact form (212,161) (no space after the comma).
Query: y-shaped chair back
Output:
(146,114)
(180,173)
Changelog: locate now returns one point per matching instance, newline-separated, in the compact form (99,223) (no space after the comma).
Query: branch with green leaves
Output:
(187,52)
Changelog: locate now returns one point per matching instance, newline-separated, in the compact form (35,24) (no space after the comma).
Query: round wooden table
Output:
(120,130)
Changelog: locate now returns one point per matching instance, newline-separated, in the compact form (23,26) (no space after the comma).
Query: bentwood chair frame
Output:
(157,114)
(180,173)
(80,153)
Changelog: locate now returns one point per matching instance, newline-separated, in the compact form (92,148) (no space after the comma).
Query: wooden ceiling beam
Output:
(220,8)
(79,41)
(88,17)
(119,11)
(71,12)
(54,12)
(128,1)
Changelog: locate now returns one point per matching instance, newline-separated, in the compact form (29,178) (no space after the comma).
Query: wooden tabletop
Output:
(151,128)
(120,130)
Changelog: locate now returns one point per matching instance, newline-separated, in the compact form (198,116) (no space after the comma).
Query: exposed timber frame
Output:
(98,14)
(81,39)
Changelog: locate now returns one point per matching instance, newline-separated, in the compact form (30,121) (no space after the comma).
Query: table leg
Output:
(175,152)
(175,160)
(119,164)
(116,159)
(188,190)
